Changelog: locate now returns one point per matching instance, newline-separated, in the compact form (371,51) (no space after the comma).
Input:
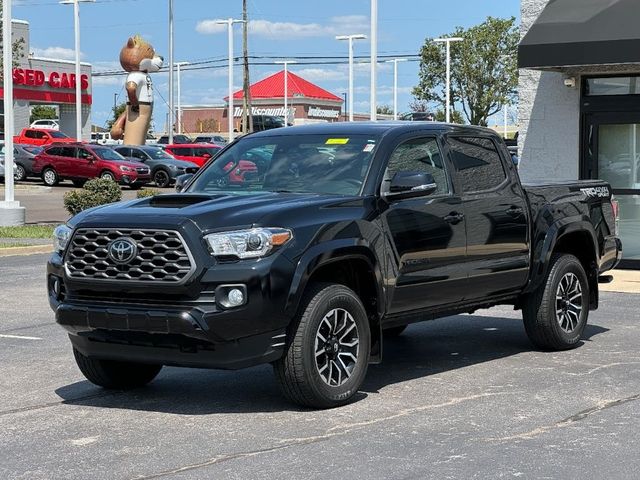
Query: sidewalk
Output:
(625,281)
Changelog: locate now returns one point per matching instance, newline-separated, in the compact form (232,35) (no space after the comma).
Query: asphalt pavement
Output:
(462,397)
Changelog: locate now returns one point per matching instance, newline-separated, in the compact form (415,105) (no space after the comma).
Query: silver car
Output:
(23,156)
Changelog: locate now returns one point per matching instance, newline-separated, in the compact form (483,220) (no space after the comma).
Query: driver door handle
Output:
(514,210)
(453,218)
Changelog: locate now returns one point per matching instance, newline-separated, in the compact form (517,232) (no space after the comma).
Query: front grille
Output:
(162,256)
(142,170)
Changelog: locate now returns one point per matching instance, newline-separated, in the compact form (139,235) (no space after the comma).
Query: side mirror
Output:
(90,158)
(206,155)
(182,180)
(515,159)
(411,184)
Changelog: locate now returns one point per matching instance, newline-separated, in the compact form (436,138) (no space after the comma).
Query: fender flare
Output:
(543,249)
(334,251)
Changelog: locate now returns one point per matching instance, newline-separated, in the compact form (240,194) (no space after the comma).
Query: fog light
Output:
(231,296)
(56,287)
(235,297)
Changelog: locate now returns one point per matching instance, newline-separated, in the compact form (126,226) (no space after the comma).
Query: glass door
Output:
(613,154)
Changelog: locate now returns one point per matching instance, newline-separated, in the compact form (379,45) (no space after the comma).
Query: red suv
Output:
(80,162)
(197,153)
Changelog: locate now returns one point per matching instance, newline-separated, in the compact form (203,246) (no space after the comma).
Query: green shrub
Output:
(94,193)
(147,192)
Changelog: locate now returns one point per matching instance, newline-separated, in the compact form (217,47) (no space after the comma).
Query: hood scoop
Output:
(178,200)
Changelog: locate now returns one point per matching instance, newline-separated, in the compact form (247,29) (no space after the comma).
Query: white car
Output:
(47,124)
(104,138)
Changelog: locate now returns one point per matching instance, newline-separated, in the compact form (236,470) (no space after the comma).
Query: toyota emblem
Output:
(123,250)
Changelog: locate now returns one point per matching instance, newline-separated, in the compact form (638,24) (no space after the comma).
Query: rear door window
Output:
(57,151)
(477,162)
(67,152)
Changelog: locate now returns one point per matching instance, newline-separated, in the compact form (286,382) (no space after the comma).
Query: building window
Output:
(612,86)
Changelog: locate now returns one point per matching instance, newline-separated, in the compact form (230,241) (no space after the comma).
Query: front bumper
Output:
(177,325)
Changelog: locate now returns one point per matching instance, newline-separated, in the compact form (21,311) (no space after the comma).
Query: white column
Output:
(230,105)
(505,120)
(7,59)
(373,115)
(448,112)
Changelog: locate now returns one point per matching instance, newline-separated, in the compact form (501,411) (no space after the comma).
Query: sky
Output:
(278,28)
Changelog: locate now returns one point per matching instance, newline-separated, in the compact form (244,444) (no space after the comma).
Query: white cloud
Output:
(110,80)
(320,74)
(58,53)
(286,30)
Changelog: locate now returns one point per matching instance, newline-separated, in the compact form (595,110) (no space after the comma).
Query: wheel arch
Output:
(575,236)
(349,263)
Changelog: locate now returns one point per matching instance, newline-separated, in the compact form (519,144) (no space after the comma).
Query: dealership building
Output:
(307,103)
(47,81)
(579,100)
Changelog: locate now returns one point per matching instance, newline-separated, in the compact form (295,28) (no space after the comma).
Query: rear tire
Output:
(556,314)
(50,177)
(112,374)
(20,173)
(328,346)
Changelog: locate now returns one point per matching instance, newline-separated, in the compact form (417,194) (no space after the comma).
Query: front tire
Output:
(106,175)
(327,349)
(161,178)
(555,315)
(112,374)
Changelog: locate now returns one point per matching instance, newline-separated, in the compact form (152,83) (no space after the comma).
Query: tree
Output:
(484,72)
(456,116)
(117,111)
(384,110)
(42,112)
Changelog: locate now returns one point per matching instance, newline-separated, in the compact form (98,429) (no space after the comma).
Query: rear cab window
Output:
(477,163)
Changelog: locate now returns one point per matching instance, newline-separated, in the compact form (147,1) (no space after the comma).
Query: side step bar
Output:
(605,279)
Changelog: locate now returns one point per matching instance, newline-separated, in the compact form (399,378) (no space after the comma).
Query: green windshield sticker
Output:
(336,141)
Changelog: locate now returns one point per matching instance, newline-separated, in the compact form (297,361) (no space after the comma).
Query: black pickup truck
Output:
(344,234)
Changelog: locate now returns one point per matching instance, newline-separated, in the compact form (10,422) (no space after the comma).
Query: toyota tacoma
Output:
(344,234)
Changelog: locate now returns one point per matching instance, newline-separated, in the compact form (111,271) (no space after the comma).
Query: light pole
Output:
(171,107)
(229,23)
(286,89)
(373,113)
(344,95)
(350,39)
(448,41)
(395,84)
(178,65)
(76,28)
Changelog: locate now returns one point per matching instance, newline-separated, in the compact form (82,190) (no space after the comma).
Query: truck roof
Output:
(355,128)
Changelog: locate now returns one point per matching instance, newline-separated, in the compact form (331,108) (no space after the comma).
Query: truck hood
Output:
(213,211)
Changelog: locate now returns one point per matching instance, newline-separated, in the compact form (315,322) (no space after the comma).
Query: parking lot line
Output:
(20,337)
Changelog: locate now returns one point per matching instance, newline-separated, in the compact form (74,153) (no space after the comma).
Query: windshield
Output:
(157,153)
(33,150)
(332,164)
(107,154)
(55,134)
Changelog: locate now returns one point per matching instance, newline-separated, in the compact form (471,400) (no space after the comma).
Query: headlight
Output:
(61,236)
(253,243)
(126,169)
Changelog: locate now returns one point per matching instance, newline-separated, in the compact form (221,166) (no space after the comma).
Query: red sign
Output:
(37,78)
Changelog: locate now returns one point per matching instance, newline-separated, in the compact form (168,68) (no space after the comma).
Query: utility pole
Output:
(395,84)
(448,41)
(171,67)
(229,23)
(373,115)
(247,117)
(350,39)
(286,89)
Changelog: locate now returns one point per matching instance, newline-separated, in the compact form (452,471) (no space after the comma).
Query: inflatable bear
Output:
(139,59)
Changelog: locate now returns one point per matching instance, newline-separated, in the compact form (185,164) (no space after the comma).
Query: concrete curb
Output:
(32,250)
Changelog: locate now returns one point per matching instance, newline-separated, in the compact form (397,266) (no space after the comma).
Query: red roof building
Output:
(273,87)
(307,103)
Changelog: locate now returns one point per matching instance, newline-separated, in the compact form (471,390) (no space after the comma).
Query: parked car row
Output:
(130,165)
